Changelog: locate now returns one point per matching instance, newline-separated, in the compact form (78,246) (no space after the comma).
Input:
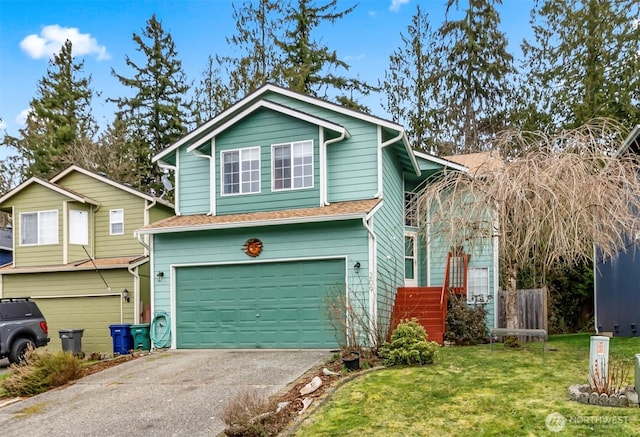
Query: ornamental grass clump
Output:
(42,372)
(409,345)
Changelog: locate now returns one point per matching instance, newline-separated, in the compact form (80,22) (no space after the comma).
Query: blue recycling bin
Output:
(122,340)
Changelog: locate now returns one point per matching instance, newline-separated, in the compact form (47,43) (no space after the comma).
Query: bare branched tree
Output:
(549,202)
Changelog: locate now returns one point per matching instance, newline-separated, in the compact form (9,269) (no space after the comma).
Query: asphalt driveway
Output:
(169,393)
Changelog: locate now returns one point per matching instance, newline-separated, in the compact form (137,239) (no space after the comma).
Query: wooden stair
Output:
(423,303)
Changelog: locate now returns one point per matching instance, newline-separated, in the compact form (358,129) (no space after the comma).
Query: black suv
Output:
(22,326)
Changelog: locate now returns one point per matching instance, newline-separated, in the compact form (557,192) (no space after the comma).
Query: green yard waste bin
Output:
(141,338)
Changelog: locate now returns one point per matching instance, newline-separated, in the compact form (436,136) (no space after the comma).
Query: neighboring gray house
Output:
(6,246)
(617,282)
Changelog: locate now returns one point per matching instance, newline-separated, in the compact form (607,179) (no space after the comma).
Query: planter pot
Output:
(351,360)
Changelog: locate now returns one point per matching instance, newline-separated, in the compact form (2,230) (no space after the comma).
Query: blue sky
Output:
(101,32)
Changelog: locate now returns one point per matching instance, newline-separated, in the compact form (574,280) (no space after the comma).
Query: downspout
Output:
(373,273)
(147,208)
(323,166)
(136,293)
(380,147)
(212,205)
(145,244)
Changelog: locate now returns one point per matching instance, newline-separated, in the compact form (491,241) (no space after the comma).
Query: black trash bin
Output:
(71,340)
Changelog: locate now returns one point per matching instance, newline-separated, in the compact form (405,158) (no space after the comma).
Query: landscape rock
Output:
(314,385)
(305,404)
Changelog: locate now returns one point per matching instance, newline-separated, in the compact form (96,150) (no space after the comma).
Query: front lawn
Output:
(472,391)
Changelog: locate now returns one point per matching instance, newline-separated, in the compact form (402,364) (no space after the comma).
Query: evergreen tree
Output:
(451,87)
(406,87)
(585,60)
(474,83)
(59,120)
(308,66)
(212,94)
(156,115)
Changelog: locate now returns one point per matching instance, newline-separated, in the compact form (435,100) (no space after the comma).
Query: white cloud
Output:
(21,119)
(396,4)
(52,37)
(354,57)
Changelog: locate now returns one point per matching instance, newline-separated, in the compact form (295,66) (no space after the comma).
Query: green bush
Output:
(42,372)
(466,324)
(409,345)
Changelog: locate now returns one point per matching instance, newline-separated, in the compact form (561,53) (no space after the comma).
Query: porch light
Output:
(160,276)
(125,295)
(356,267)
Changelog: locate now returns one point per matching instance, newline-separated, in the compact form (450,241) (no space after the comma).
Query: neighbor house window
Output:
(411,209)
(241,171)
(78,227)
(39,228)
(292,165)
(478,285)
(116,222)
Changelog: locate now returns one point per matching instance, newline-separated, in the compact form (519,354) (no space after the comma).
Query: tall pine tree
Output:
(58,123)
(584,61)
(156,115)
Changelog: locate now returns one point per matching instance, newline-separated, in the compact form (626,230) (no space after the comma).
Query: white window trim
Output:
(38,243)
(484,298)
(240,193)
(111,222)
(291,144)
(76,235)
(415,212)
(411,282)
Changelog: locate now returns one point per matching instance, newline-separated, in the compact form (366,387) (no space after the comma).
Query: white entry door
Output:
(410,260)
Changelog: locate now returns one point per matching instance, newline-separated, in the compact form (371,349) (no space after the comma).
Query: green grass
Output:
(472,391)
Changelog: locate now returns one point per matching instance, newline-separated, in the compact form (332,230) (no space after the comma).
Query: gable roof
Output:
(441,161)
(108,181)
(356,209)
(632,142)
(51,186)
(274,107)
(478,162)
(234,112)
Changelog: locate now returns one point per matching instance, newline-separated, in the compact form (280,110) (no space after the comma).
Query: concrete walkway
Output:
(170,393)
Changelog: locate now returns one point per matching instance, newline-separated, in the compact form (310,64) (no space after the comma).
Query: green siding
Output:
(265,128)
(159,212)
(110,197)
(352,163)
(32,199)
(295,242)
(389,229)
(262,305)
(93,314)
(194,184)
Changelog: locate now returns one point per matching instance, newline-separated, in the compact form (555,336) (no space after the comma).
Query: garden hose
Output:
(160,331)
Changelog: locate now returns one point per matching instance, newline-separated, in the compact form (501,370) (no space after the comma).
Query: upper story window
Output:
(478,285)
(78,227)
(292,165)
(38,228)
(116,222)
(411,209)
(241,171)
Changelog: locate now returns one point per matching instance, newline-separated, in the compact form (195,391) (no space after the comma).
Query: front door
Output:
(410,260)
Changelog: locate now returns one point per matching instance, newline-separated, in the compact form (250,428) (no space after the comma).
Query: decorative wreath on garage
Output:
(253,247)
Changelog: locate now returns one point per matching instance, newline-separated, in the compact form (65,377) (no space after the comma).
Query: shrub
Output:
(248,414)
(409,345)
(42,372)
(466,324)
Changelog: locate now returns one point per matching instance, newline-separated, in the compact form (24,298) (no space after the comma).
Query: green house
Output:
(76,254)
(283,203)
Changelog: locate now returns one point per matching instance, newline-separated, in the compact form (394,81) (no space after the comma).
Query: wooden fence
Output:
(531,309)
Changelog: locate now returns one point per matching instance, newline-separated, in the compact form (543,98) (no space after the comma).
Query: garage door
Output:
(93,314)
(267,305)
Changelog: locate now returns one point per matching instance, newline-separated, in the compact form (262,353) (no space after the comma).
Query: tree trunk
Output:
(511,307)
